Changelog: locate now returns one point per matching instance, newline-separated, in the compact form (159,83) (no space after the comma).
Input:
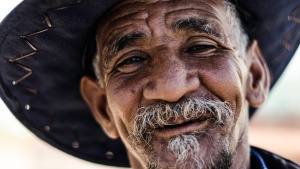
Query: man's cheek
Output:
(224,84)
(121,100)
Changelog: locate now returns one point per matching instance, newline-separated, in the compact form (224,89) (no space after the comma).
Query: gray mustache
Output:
(163,114)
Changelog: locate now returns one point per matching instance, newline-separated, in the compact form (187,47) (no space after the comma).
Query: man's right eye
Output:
(130,64)
(131,60)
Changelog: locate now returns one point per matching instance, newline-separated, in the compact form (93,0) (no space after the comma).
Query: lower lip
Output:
(170,132)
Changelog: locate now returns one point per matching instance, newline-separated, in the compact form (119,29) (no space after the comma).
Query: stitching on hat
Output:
(34,92)
(24,38)
(48,127)
(285,39)
(28,70)
(292,17)
(289,35)
(34,49)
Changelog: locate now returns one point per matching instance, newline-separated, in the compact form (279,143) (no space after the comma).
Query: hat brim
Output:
(42,44)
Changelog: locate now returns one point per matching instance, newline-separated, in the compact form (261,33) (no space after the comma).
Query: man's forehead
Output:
(128,17)
(123,2)
(130,10)
(129,7)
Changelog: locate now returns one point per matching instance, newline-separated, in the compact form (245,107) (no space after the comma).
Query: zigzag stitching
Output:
(29,71)
(292,17)
(285,39)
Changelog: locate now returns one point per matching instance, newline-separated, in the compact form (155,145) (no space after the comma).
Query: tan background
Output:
(276,127)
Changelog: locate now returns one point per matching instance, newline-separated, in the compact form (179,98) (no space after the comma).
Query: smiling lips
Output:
(181,126)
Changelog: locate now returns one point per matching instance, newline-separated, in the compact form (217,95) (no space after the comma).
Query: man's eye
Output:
(201,49)
(132,60)
(130,65)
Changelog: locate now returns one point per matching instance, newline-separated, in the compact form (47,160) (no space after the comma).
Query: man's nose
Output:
(171,82)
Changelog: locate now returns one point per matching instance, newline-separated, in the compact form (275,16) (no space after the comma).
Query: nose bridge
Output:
(171,79)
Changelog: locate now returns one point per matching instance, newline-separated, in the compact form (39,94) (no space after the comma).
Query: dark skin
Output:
(159,51)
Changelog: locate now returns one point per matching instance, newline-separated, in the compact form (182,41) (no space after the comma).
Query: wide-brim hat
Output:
(46,47)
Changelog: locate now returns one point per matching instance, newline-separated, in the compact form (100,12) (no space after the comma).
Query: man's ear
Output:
(258,82)
(95,97)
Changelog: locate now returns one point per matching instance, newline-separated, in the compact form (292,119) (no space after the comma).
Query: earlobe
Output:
(258,82)
(95,98)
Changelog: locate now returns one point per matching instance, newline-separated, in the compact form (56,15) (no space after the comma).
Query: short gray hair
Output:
(235,22)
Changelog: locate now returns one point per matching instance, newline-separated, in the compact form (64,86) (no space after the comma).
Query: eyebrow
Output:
(187,24)
(197,25)
(120,43)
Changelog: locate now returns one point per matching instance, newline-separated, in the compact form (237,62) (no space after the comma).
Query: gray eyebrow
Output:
(119,43)
(197,25)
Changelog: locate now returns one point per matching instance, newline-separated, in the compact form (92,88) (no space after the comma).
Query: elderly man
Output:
(174,81)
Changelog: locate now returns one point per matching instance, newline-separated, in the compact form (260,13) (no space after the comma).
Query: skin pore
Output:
(176,87)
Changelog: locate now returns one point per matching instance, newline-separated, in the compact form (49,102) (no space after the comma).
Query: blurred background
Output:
(275,127)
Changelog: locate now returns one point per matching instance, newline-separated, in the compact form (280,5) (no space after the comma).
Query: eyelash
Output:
(130,60)
(200,48)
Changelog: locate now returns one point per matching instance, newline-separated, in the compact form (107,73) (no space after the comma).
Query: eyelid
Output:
(202,40)
(220,43)
(128,55)
(206,37)
(201,47)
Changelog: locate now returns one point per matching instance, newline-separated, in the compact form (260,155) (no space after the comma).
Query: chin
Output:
(190,151)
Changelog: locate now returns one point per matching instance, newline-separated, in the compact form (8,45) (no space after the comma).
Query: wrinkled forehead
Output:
(130,6)
(141,9)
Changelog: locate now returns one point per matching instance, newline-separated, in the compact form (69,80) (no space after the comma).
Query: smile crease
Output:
(181,123)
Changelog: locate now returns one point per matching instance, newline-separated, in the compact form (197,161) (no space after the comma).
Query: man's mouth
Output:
(182,127)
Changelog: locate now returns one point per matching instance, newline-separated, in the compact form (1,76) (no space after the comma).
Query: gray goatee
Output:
(186,148)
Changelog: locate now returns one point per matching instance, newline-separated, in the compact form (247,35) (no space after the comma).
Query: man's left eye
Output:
(201,48)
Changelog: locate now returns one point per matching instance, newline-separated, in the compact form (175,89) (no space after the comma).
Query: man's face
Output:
(174,82)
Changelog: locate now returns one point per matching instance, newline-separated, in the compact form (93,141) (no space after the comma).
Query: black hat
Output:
(45,49)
